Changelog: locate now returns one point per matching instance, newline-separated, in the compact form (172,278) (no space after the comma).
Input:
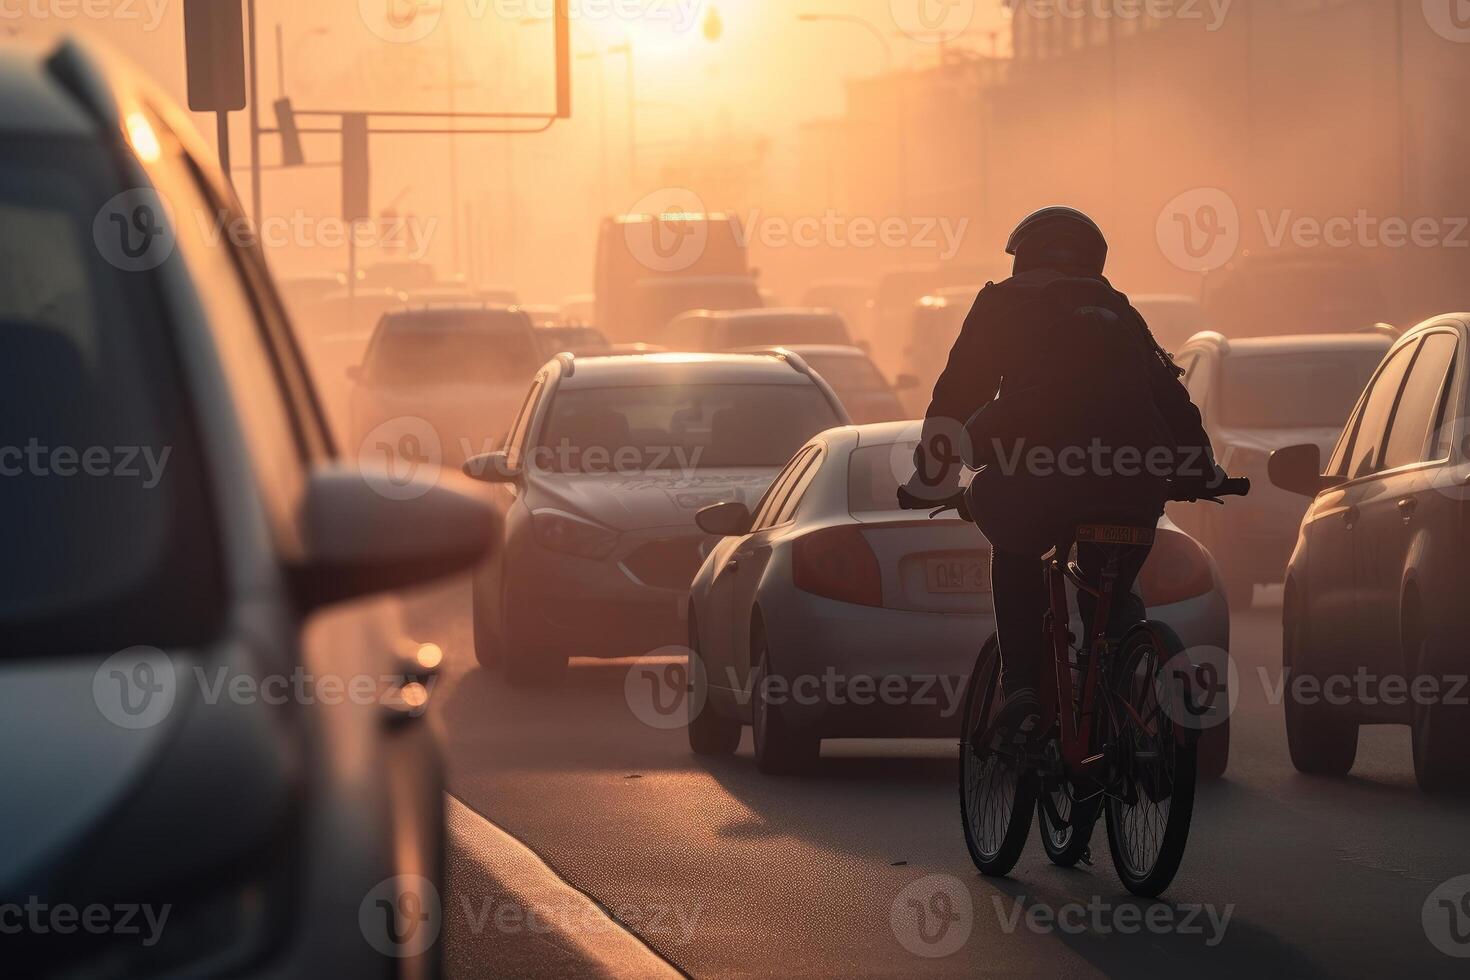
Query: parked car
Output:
(1172,319)
(604,470)
(864,391)
(575,340)
(156,617)
(495,295)
(828,587)
(462,369)
(1276,293)
(723,330)
(1257,396)
(1375,588)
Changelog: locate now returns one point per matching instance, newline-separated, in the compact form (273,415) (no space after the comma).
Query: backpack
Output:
(1067,440)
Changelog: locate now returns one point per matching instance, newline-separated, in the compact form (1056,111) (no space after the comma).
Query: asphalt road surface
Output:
(860,869)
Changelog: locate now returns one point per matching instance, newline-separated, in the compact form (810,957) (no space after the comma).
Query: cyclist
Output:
(1073,412)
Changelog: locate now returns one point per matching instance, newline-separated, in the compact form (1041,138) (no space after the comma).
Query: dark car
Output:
(1375,615)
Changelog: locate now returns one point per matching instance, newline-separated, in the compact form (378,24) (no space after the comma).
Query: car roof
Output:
(440,312)
(671,368)
(33,100)
(769,313)
(1306,344)
(888,433)
(810,350)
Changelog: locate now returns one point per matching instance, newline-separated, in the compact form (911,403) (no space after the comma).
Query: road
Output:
(860,870)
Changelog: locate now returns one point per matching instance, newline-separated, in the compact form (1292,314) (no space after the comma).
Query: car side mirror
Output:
(728,520)
(369,531)
(905,382)
(491,468)
(1298,469)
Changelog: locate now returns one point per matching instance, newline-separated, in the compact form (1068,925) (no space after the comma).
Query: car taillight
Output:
(1177,569)
(837,563)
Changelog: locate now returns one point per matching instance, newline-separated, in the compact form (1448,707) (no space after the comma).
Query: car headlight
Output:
(570,535)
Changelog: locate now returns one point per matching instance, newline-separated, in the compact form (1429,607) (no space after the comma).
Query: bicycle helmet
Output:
(1059,238)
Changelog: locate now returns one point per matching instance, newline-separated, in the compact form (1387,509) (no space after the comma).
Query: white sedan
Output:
(854,619)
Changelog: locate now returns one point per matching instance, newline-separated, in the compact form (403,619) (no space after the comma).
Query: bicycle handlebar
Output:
(956,503)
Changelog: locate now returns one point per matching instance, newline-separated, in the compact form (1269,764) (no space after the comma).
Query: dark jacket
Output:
(1068,375)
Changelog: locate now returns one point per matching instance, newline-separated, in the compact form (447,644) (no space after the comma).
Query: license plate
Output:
(957,576)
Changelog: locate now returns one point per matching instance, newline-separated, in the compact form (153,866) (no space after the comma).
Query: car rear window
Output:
(848,375)
(108,541)
(874,474)
(1294,391)
(680,427)
(454,347)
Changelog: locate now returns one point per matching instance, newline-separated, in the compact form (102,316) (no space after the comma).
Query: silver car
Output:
(870,617)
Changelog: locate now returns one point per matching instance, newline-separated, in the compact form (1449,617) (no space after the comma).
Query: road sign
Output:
(214,47)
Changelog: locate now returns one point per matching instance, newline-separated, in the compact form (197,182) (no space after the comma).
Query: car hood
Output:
(635,501)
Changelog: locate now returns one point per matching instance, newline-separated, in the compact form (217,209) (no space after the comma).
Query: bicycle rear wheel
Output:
(1151,798)
(997,792)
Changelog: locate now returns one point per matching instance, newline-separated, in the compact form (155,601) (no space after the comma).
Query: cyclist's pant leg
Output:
(1128,609)
(1021,600)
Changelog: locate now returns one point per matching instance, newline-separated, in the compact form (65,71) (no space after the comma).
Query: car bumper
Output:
(854,671)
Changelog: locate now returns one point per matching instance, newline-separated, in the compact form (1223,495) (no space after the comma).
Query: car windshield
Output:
(681,427)
(108,533)
(453,348)
(1294,391)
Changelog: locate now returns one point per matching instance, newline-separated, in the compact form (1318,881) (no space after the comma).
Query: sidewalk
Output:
(508,915)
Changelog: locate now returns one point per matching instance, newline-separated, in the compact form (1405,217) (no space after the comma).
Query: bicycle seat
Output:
(1117,534)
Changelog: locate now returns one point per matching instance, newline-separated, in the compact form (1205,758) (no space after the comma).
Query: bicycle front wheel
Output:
(997,793)
(1151,797)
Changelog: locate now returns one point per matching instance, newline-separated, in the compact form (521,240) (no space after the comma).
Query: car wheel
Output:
(1441,740)
(780,749)
(1322,738)
(710,733)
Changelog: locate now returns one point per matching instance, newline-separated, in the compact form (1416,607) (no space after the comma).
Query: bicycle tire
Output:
(1169,776)
(996,798)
